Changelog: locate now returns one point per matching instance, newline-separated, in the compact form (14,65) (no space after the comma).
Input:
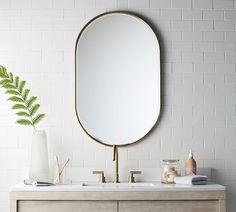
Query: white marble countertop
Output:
(142,186)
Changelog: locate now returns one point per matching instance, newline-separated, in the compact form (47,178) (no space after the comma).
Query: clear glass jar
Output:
(170,169)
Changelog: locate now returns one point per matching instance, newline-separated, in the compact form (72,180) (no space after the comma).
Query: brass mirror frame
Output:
(76,45)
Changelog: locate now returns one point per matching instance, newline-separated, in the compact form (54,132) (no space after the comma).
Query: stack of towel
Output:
(191,180)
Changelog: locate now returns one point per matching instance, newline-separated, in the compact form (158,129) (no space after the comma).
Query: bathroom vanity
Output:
(122,197)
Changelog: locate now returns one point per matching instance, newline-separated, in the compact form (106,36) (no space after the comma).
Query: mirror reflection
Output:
(117,78)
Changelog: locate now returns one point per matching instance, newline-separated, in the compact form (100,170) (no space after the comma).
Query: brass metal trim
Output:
(76,45)
(102,178)
(116,164)
(131,178)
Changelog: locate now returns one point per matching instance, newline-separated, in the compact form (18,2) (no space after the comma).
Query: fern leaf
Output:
(25,103)
(1,68)
(11,76)
(16,81)
(21,86)
(24,122)
(3,72)
(31,101)
(38,118)
(19,106)
(5,81)
(25,94)
(2,75)
(22,113)
(14,92)
(33,109)
(8,86)
(15,99)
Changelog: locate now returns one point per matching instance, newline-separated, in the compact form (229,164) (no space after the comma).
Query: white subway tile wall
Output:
(198,56)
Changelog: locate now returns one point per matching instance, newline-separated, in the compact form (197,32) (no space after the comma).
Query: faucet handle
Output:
(131,178)
(102,178)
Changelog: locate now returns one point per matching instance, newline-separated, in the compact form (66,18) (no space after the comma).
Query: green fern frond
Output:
(19,106)
(5,81)
(31,101)
(2,75)
(3,72)
(2,67)
(11,76)
(13,92)
(25,94)
(24,122)
(21,86)
(9,86)
(22,113)
(34,109)
(38,118)
(16,88)
(15,99)
(16,81)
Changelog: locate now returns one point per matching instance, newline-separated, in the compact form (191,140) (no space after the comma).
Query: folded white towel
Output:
(191,180)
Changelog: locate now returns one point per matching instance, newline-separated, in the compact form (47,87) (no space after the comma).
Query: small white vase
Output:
(39,167)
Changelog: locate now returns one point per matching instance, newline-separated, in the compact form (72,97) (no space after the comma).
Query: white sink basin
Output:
(119,185)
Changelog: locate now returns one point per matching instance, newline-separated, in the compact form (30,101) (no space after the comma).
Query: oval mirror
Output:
(117,85)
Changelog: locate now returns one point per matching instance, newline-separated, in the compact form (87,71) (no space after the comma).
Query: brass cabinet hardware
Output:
(131,178)
(102,178)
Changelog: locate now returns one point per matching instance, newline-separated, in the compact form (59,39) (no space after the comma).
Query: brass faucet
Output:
(102,178)
(131,178)
(116,165)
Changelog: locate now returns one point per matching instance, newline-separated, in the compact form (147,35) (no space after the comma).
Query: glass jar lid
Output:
(170,161)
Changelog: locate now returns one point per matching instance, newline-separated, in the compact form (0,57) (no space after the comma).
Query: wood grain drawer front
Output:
(67,206)
(168,206)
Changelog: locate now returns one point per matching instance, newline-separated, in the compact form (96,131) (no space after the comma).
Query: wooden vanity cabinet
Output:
(67,206)
(168,206)
(166,201)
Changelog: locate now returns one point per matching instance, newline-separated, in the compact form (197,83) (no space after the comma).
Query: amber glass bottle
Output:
(190,165)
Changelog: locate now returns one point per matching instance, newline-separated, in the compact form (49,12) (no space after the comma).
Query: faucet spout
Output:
(116,165)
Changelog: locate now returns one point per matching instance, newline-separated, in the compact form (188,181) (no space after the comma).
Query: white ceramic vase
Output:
(39,167)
